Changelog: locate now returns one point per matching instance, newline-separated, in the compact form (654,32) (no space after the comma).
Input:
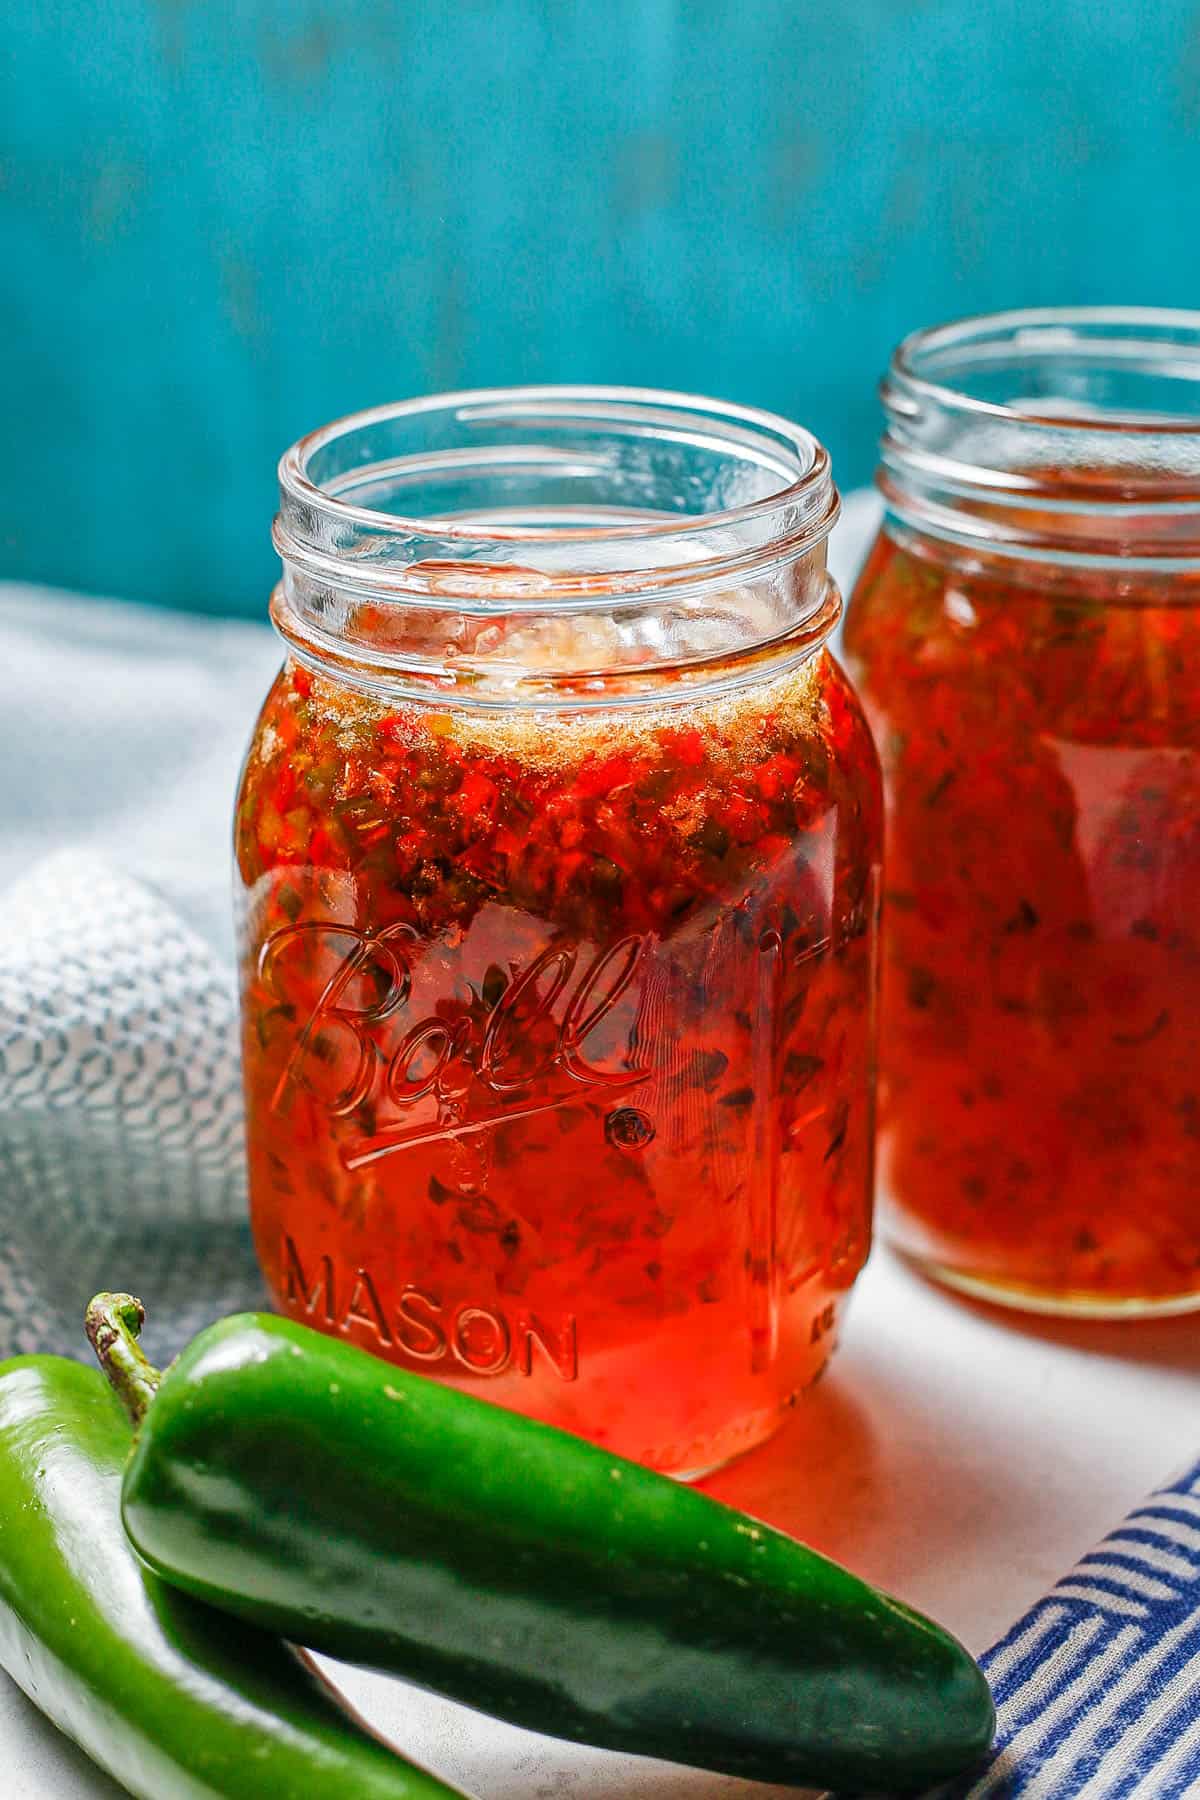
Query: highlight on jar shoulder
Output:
(1026,636)
(559,846)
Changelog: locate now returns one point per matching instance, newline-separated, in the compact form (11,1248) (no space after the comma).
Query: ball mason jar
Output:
(558,843)
(1026,636)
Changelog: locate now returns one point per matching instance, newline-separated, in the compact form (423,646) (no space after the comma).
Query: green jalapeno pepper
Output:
(376,1515)
(175,1701)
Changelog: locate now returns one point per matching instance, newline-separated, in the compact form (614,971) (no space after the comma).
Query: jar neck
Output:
(1067,437)
(555,545)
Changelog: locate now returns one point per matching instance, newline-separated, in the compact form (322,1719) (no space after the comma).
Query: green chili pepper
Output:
(174,1700)
(374,1514)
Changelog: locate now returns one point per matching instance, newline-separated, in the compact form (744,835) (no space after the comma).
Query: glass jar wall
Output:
(558,844)
(1026,636)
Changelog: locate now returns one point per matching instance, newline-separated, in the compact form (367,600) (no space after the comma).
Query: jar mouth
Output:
(1069,349)
(1069,431)
(520,545)
(534,493)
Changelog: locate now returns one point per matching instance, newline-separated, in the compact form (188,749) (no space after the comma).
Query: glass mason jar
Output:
(558,843)
(1026,635)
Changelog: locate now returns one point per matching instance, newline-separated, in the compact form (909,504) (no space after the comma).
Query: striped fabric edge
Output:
(1097,1688)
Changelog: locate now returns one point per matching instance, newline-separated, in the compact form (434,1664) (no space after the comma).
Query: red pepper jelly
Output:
(1026,634)
(558,843)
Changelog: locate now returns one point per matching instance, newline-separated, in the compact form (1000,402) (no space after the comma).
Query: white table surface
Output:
(962,1458)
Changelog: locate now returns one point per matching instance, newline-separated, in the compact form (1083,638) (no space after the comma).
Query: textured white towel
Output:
(121,1157)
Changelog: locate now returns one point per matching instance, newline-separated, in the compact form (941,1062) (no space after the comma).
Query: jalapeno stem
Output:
(113,1323)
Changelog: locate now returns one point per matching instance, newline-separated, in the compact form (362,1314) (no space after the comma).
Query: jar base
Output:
(688,1477)
(1053,1305)
(732,1447)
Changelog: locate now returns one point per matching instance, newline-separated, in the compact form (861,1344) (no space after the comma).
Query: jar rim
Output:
(1062,435)
(588,533)
(811,470)
(1027,332)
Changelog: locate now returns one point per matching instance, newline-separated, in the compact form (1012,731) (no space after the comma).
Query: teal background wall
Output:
(222,224)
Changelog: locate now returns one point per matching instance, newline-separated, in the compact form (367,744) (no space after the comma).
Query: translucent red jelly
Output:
(1040,1051)
(558,1044)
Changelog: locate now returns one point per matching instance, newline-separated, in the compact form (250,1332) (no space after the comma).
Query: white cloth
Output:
(121,730)
(121,1154)
(121,1160)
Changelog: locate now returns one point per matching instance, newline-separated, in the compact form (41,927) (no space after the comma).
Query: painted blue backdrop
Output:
(223,223)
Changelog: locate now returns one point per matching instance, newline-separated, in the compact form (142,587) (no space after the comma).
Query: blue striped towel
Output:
(1098,1687)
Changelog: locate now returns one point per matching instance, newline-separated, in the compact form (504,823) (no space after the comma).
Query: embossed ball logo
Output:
(524,1043)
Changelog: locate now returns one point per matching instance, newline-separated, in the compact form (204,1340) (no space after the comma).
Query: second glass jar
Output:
(558,844)
(1026,634)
